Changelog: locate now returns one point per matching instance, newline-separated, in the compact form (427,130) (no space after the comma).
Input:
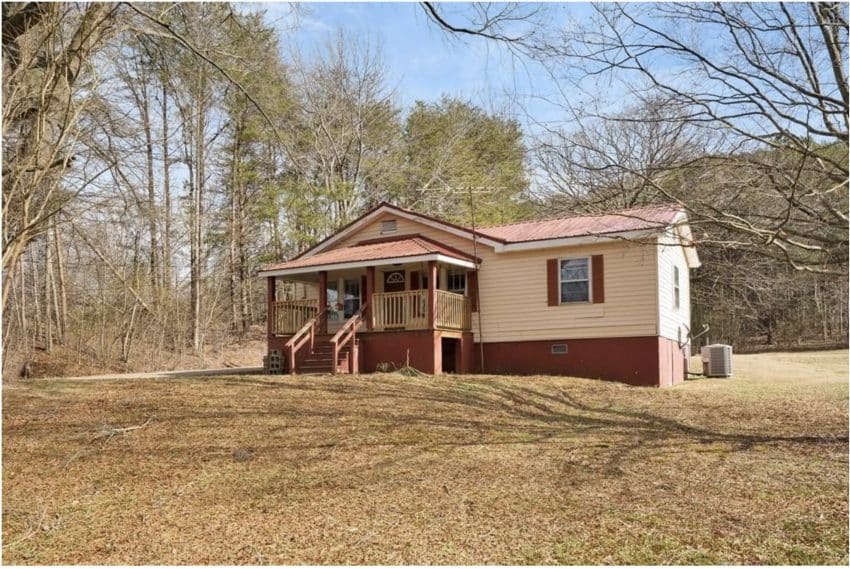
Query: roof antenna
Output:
(471,191)
(477,279)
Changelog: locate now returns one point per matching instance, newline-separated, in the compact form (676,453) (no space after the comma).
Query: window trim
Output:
(462,272)
(677,288)
(589,260)
(359,296)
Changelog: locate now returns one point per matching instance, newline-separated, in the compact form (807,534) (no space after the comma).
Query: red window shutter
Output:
(414,280)
(472,289)
(553,282)
(598,276)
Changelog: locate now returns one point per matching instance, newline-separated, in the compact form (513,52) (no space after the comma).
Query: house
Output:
(597,296)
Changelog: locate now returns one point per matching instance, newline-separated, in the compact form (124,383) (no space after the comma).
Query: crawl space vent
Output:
(559,348)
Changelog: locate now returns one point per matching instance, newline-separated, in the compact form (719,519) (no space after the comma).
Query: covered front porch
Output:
(420,301)
(396,303)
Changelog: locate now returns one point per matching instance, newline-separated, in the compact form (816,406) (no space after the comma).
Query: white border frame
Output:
(589,259)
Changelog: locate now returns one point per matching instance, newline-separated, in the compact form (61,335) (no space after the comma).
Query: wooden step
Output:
(321,360)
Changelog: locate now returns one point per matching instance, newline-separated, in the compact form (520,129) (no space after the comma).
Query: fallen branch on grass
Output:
(32,528)
(109,432)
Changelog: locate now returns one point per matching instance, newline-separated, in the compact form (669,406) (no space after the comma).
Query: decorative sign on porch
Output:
(396,277)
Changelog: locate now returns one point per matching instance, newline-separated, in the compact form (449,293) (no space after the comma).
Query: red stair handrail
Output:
(302,336)
(345,335)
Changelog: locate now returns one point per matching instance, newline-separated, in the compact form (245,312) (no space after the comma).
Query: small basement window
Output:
(559,348)
(388,226)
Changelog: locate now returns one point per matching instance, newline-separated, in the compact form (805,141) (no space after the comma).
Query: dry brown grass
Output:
(394,469)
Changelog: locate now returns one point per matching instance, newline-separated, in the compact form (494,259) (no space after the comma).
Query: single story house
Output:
(598,296)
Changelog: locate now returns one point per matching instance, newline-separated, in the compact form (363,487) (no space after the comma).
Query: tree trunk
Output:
(48,304)
(166,194)
(233,253)
(197,216)
(62,316)
(151,205)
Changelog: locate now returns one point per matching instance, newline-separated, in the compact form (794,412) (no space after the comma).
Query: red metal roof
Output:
(635,219)
(390,249)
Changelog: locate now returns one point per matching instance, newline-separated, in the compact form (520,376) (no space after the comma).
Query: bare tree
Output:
(766,83)
(47,50)
(350,124)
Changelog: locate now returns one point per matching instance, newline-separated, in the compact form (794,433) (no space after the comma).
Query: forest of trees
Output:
(154,155)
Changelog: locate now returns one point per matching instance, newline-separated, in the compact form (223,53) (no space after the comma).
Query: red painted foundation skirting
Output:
(418,347)
(421,349)
(647,360)
(636,361)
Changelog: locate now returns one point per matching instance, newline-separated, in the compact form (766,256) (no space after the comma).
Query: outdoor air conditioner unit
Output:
(717,360)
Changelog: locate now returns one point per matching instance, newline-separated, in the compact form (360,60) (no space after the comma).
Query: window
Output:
(456,282)
(351,300)
(575,280)
(388,226)
(333,298)
(676,300)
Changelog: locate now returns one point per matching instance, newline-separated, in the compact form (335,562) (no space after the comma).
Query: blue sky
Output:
(424,62)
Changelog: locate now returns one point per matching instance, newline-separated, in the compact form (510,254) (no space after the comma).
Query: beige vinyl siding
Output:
(513,293)
(407,227)
(671,319)
(514,300)
(296,290)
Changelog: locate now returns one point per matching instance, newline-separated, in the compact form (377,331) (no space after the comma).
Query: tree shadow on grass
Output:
(536,409)
(452,415)
(402,421)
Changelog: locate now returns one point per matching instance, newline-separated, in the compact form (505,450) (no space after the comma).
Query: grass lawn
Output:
(461,470)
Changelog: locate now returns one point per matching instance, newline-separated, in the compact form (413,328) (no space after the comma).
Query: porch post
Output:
(432,295)
(270,298)
(323,301)
(367,295)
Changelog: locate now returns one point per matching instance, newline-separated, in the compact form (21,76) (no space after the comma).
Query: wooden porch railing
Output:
(306,334)
(408,310)
(454,311)
(346,334)
(291,315)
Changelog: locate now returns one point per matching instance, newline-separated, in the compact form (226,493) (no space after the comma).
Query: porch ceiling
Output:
(408,249)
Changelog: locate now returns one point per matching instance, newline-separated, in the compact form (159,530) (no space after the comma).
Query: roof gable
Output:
(386,208)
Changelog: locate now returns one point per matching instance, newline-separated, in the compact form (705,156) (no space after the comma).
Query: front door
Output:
(394,281)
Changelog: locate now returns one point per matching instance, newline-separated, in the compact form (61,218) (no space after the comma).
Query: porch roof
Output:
(402,250)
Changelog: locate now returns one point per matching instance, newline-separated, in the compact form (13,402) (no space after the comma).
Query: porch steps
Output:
(321,360)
